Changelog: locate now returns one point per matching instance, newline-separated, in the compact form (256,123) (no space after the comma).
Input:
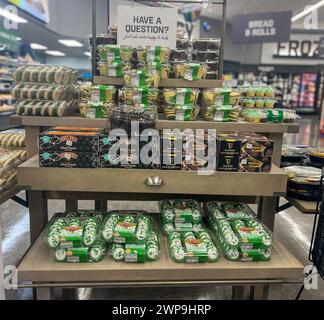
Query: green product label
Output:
(275,116)
(195,70)
(156,65)
(77,255)
(135,253)
(141,96)
(94,111)
(183,96)
(98,94)
(249,235)
(183,215)
(183,227)
(196,251)
(114,50)
(124,232)
(71,237)
(226,95)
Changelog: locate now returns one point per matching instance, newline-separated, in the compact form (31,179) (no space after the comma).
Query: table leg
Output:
(273,291)
(101,205)
(38,214)
(237,292)
(257,292)
(44,293)
(32,134)
(267,211)
(277,139)
(71,205)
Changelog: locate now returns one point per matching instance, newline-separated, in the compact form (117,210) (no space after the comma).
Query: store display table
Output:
(39,267)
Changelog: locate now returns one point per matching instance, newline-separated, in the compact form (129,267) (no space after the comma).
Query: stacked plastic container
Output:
(43,90)
(241,236)
(131,237)
(76,237)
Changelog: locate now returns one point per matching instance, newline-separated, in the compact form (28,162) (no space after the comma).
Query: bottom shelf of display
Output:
(306,207)
(39,266)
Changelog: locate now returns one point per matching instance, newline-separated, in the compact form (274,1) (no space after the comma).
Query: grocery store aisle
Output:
(292,228)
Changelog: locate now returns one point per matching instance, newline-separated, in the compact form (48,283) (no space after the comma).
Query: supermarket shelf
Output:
(306,207)
(134,181)
(160,124)
(178,83)
(38,266)
(230,126)
(64,121)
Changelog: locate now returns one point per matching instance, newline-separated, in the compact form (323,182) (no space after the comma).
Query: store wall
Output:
(74,17)
(247,54)
(75,62)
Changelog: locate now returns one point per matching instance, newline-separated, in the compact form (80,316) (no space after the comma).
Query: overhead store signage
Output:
(147,26)
(302,48)
(37,8)
(261,27)
(8,41)
(305,49)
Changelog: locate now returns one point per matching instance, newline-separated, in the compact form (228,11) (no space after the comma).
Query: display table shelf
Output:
(38,266)
(178,83)
(161,124)
(306,207)
(134,181)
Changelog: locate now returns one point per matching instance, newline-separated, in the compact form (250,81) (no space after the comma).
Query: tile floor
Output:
(292,228)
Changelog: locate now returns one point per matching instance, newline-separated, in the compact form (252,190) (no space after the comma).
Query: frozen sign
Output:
(262,27)
(147,26)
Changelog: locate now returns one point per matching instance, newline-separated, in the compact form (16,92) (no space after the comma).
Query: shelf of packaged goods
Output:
(38,265)
(177,83)
(134,181)
(306,207)
(160,124)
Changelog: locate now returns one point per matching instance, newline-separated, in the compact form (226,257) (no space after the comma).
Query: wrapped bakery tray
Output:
(180,215)
(229,210)
(138,253)
(238,238)
(126,227)
(83,141)
(192,247)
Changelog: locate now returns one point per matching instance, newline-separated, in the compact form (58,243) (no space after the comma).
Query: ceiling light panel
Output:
(55,53)
(71,43)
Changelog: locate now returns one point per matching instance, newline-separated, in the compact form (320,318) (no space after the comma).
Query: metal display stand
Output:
(265,278)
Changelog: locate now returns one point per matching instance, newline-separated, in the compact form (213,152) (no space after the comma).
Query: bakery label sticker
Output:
(147,26)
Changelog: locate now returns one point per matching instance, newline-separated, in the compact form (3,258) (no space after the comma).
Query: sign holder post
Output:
(148,2)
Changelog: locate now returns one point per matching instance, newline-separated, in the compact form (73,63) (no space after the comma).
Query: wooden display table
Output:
(39,267)
(131,184)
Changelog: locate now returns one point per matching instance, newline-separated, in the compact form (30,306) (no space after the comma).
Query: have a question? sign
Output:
(147,26)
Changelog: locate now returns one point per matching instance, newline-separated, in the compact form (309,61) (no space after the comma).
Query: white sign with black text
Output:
(147,26)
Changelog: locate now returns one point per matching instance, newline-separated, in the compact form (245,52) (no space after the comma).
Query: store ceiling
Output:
(34,30)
